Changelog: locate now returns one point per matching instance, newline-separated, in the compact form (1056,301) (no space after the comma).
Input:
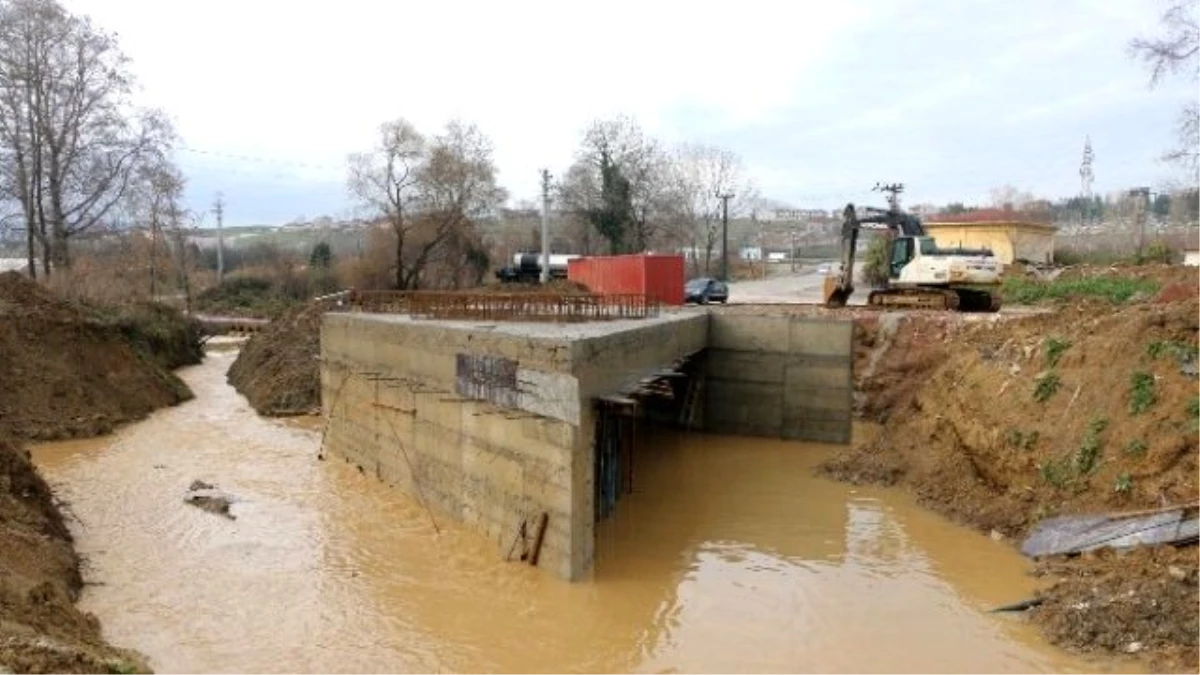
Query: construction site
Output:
(546,429)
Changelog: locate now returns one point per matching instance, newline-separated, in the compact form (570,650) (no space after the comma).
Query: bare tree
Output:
(385,181)
(68,131)
(431,193)
(701,173)
(458,187)
(1009,198)
(154,200)
(1177,50)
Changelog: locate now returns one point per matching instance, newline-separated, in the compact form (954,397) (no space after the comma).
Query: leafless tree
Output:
(385,181)
(154,200)
(1010,198)
(1177,50)
(70,136)
(701,173)
(430,192)
(458,187)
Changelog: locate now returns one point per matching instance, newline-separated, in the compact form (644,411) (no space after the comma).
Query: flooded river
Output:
(731,556)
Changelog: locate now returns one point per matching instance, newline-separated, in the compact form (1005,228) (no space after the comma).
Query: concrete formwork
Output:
(493,424)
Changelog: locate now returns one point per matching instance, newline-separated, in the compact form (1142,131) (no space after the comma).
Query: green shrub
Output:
(1020,291)
(1135,448)
(1045,387)
(1141,395)
(876,262)
(1054,350)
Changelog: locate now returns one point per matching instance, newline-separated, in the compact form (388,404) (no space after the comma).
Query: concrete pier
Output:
(494,423)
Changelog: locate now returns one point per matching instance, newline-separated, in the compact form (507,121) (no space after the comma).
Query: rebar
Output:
(553,307)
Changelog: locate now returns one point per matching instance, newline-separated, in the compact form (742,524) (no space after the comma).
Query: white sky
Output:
(821,98)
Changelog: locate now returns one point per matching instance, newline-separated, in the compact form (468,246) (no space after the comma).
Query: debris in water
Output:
(1075,534)
(1020,606)
(207,497)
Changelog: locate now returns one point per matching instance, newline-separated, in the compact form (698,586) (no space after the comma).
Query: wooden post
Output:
(537,539)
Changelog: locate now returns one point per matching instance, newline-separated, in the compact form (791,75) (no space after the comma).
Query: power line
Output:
(253,159)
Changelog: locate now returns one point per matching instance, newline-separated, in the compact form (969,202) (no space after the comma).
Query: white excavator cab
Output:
(917,261)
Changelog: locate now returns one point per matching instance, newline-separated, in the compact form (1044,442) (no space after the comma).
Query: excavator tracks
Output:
(952,299)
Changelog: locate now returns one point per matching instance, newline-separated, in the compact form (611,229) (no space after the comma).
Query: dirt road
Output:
(802,287)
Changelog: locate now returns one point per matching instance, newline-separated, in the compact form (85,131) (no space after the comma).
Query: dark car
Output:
(705,290)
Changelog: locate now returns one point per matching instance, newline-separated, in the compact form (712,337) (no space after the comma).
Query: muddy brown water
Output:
(730,556)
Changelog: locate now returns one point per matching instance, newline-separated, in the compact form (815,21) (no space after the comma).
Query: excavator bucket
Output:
(835,295)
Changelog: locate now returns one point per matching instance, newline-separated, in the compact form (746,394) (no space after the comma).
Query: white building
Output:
(15,265)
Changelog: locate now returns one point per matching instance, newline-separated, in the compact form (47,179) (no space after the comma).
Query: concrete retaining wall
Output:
(488,424)
(779,376)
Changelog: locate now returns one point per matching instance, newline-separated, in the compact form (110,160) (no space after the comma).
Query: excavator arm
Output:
(839,287)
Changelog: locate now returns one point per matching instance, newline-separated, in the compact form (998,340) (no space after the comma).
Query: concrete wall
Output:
(605,364)
(779,376)
(488,424)
(1008,241)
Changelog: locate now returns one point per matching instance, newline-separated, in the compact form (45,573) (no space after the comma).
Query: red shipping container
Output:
(652,275)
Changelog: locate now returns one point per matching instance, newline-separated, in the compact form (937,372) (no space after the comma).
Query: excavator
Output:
(920,274)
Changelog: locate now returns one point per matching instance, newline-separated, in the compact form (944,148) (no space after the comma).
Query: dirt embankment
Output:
(41,631)
(1000,422)
(73,372)
(277,369)
(67,371)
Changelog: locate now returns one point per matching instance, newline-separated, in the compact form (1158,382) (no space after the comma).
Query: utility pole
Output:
(219,208)
(1086,177)
(792,254)
(1142,209)
(724,234)
(545,276)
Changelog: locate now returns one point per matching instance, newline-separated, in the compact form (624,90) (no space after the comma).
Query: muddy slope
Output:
(1002,422)
(71,372)
(41,631)
(68,371)
(1012,421)
(277,369)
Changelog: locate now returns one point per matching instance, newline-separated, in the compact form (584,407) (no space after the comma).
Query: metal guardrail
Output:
(552,307)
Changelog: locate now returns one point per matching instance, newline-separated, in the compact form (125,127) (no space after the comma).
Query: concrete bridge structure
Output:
(501,425)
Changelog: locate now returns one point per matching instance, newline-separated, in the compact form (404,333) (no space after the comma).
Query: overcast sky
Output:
(820,98)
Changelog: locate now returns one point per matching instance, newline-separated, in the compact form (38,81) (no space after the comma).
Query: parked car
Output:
(705,290)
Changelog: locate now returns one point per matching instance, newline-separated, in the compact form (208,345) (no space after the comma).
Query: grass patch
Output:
(1054,350)
(1123,485)
(1022,440)
(1056,472)
(1021,291)
(1062,471)
(1135,448)
(1141,394)
(1045,387)
(1087,457)
(1183,352)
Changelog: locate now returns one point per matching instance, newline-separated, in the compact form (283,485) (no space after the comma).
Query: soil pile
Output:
(1002,422)
(71,372)
(40,628)
(1137,601)
(278,370)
